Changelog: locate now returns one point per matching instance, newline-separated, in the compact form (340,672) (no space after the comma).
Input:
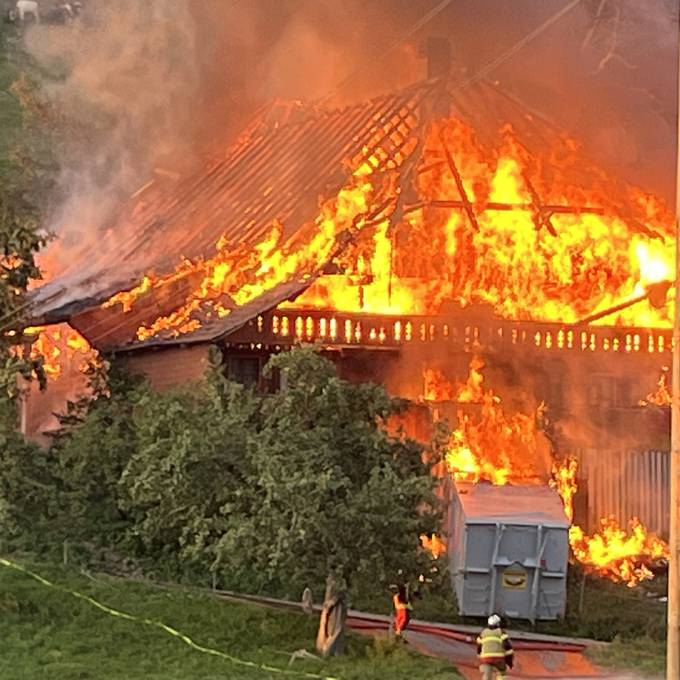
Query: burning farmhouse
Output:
(446,243)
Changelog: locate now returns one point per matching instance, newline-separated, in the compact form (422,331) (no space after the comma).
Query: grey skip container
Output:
(508,548)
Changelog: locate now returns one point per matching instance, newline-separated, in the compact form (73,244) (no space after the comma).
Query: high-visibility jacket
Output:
(493,644)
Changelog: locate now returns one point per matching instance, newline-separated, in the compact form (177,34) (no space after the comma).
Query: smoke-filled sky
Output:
(156,83)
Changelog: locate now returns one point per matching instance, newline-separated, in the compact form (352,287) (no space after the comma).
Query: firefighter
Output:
(494,650)
(402,609)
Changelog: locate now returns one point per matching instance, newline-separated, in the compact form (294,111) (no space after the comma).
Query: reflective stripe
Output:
(492,643)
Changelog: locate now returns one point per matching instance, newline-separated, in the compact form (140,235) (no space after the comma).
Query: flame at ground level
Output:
(619,554)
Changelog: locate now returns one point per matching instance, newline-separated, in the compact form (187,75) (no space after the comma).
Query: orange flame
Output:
(661,395)
(434,544)
(59,344)
(436,386)
(611,552)
(564,481)
(618,554)
(555,265)
(518,237)
(503,449)
(492,445)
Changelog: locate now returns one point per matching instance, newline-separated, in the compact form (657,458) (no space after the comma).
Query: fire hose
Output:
(365,623)
(356,621)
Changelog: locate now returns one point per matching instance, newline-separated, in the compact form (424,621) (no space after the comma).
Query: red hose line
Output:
(535,646)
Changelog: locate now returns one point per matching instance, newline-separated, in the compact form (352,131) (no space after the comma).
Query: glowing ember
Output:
(618,554)
(57,345)
(433,544)
(661,395)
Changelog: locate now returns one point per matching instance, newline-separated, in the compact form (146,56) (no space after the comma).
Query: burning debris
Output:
(615,553)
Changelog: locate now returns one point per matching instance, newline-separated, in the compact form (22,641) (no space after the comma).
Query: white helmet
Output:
(494,621)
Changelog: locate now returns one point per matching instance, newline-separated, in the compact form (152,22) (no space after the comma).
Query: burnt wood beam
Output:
(541,215)
(467,205)
(494,205)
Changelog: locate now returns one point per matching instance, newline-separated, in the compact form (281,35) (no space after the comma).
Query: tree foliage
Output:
(269,491)
(329,488)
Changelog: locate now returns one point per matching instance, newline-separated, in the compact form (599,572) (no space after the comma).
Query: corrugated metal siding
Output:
(627,484)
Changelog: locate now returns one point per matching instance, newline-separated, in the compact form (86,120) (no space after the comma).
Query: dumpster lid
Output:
(483,503)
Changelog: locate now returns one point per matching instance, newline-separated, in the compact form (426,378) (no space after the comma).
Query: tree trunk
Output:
(330,640)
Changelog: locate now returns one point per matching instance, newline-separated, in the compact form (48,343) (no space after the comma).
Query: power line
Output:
(512,51)
(426,18)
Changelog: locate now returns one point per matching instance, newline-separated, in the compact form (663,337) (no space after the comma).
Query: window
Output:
(245,370)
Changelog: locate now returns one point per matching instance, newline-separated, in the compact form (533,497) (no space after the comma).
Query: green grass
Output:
(47,633)
(643,654)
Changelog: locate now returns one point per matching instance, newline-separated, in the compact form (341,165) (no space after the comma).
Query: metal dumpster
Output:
(508,548)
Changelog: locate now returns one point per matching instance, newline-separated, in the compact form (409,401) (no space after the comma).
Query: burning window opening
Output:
(444,218)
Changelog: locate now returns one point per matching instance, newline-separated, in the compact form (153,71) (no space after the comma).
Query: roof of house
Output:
(278,170)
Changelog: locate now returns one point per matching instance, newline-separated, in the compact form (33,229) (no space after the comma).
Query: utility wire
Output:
(511,52)
(426,18)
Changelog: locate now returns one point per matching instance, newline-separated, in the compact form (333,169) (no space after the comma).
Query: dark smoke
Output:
(157,83)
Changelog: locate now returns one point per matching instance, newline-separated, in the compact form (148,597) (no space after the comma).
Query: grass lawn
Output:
(643,654)
(47,633)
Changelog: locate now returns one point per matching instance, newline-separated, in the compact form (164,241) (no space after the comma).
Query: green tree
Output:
(89,452)
(25,475)
(330,490)
(189,465)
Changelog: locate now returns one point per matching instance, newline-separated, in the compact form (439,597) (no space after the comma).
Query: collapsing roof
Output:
(276,170)
(270,185)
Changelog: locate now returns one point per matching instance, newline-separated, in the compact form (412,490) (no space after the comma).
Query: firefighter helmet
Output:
(494,621)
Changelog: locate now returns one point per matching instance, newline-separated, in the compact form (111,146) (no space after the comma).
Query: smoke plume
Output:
(156,84)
